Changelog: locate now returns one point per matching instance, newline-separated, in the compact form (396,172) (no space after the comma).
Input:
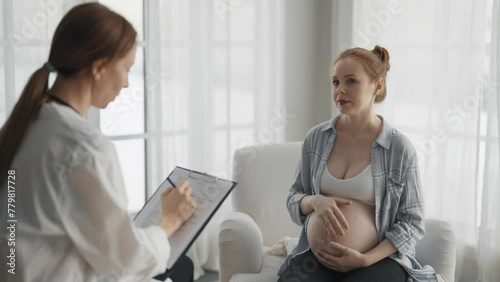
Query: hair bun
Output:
(383,54)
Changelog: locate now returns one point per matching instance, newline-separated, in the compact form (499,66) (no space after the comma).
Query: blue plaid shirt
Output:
(399,206)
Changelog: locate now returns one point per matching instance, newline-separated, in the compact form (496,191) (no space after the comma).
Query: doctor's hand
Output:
(329,214)
(178,206)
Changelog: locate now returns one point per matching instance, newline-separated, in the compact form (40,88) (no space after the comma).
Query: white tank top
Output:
(359,187)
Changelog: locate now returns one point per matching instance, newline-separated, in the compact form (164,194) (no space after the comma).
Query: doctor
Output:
(69,197)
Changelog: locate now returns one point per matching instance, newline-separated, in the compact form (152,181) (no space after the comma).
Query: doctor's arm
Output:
(177,206)
(94,213)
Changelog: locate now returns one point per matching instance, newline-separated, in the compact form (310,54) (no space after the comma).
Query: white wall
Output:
(307,57)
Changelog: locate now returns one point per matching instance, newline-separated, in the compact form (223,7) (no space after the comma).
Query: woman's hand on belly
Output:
(342,259)
(361,236)
(329,214)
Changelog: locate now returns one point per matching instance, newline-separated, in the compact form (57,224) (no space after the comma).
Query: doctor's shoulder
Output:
(78,138)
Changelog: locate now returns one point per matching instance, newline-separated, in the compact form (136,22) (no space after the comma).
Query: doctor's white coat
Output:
(71,209)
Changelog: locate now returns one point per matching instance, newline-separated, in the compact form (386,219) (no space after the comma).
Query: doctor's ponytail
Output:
(23,115)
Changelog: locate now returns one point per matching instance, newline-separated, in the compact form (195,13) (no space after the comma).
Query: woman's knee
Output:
(382,271)
(305,267)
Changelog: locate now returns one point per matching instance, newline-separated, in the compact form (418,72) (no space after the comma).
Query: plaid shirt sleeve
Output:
(409,223)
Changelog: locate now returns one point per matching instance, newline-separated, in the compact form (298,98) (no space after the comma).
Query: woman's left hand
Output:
(345,260)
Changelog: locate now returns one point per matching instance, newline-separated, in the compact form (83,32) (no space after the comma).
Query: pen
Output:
(173,185)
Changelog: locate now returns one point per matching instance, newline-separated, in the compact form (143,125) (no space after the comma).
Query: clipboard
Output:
(209,192)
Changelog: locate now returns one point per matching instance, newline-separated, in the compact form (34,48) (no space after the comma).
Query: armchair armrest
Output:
(240,246)
(438,248)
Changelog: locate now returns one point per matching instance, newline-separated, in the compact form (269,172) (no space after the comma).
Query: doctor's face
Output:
(113,77)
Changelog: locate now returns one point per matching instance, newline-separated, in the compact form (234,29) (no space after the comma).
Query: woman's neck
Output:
(74,91)
(356,125)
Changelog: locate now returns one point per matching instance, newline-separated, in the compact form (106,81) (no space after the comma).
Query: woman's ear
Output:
(379,85)
(98,67)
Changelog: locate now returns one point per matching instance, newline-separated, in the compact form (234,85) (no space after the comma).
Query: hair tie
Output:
(49,67)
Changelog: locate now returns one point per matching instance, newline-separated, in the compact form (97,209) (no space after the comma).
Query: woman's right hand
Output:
(178,206)
(329,214)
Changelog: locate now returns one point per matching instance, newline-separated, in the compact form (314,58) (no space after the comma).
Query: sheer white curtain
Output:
(212,86)
(443,93)
(213,82)
(489,229)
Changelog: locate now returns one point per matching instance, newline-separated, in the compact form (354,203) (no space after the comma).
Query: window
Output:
(194,91)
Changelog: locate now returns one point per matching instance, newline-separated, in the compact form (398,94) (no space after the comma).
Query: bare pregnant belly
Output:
(361,235)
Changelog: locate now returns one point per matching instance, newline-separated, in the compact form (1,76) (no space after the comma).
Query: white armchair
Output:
(260,219)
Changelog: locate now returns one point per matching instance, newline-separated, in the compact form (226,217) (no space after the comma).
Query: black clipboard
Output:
(209,192)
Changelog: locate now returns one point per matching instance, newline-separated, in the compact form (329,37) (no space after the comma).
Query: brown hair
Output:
(375,62)
(88,32)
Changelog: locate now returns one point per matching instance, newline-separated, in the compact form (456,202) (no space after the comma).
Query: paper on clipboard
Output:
(208,192)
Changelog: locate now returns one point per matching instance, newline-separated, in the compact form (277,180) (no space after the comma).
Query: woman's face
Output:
(113,76)
(353,90)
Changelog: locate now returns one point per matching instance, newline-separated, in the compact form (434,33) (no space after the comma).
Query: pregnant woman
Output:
(357,190)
